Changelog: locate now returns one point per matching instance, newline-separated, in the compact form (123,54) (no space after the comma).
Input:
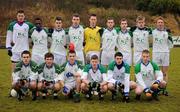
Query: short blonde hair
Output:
(140,18)
(159,18)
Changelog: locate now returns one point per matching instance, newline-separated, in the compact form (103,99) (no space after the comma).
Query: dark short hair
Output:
(58,18)
(25,52)
(72,52)
(20,11)
(110,18)
(140,17)
(146,51)
(38,18)
(48,55)
(118,54)
(75,15)
(92,15)
(123,19)
(94,57)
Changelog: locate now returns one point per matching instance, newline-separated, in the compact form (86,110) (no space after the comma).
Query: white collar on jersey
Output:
(124,32)
(75,27)
(145,64)
(75,62)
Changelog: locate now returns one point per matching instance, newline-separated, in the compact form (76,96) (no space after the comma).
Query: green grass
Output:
(166,104)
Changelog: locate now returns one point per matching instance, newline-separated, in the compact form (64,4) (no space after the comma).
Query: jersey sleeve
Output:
(157,71)
(101,30)
(31,31)
(103,71)
(138,76)
(110,70)
(29,24)
(40,71)
(127,78)
(15,74)
(62,67)
(85,72)
(170,40)
(9,35)
(57,68)
(34,69)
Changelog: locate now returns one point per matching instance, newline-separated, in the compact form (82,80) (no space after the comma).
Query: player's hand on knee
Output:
(148,92)
(155,85)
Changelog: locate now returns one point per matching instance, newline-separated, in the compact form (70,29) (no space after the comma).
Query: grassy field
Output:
(166,104)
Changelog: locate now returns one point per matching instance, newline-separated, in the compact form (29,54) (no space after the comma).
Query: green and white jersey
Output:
(162,41)
(40,40)
(58,42)
(124,41)
(18,34)
(48,74)
(141,39)
(99,75)
(146,75)
(109,40)
(22,71)
(68,71)
(122,74)
(76,36)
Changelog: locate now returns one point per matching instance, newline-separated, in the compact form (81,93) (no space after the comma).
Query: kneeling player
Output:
(48,73)
(119,77)
(94,79)
(148,76)
(70,76)
(25,75)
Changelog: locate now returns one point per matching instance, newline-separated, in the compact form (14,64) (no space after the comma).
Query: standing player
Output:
(92,38)
(25,75)
(109,40)
(140,38)
(119,76)
(76,36)
(162,42)
(39,36)
(48,76)
(94,79)
(124,42)
(17,37)
(58,44)
(148,76)
(70,76)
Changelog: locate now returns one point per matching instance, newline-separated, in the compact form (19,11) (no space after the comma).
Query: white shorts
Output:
(127,58)
(38,59)
(70,86)
(59,59)
(137,58)
(16,57)
(162,59)
(107,57)
(80,56)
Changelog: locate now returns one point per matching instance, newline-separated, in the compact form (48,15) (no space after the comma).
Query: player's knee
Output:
(110,86)
(104,88)
(39,87)
(133,85)
(57,87)
(33,85)
(163,84)
(83,86)
(138,90)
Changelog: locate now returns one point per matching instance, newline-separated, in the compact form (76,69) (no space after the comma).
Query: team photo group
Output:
(88,61)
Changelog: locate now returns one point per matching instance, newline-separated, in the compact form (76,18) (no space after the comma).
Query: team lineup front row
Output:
(72,78)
